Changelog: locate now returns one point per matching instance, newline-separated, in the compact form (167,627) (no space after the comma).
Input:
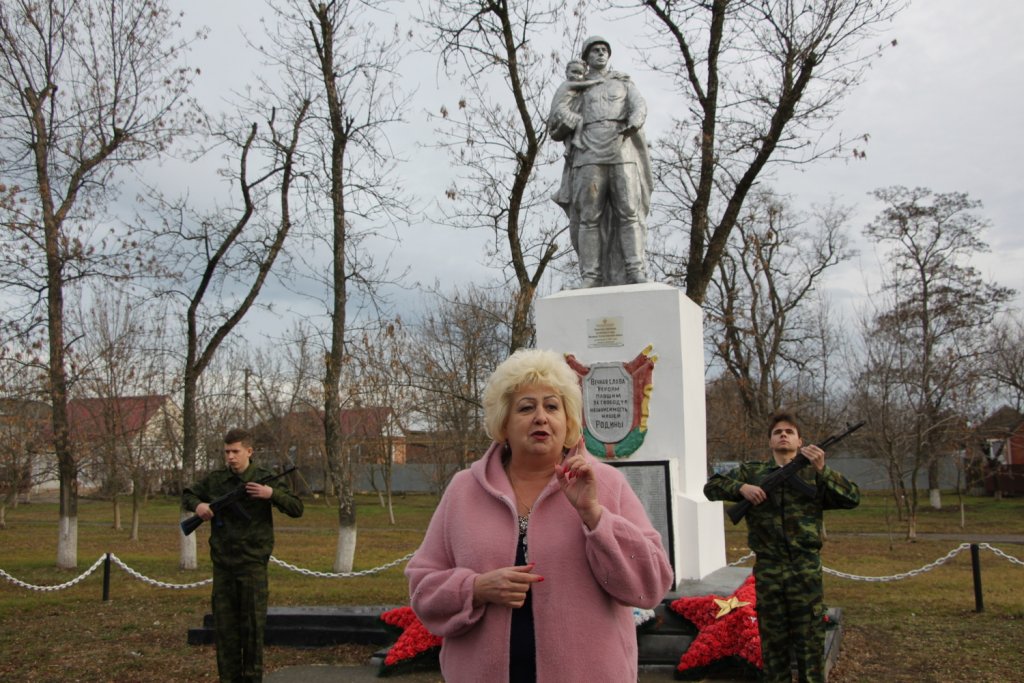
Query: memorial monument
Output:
(637,346)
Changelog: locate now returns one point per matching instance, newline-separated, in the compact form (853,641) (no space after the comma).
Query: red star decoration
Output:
(415,640)
(734,634)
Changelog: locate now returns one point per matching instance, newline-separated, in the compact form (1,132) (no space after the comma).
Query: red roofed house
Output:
(125,442)
(1002,436)
(371,436)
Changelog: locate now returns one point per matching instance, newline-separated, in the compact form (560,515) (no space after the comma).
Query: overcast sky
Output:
(943,110)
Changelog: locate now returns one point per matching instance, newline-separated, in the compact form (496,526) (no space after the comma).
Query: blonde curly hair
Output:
(528,367)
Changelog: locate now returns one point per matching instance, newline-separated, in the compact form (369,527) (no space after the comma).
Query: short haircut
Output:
(528,367)
(783,416)
(575,61)
(239,435)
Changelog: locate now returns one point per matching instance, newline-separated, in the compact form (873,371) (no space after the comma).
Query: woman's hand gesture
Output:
(579,484)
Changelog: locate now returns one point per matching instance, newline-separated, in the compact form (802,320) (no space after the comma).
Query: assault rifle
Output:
(786,472)
(228,501)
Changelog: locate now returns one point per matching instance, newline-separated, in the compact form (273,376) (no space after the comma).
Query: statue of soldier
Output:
(606,184)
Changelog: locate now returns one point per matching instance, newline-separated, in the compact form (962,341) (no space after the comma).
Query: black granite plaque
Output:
(651,483)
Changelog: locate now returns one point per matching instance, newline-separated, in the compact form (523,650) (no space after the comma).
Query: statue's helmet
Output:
(591,42)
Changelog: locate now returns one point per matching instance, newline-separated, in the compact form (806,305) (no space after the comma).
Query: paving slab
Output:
(323,673)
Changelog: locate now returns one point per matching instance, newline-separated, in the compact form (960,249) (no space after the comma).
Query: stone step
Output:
(314,626)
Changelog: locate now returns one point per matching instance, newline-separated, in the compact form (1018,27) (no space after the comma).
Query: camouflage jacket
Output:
(787,526)
(233,538)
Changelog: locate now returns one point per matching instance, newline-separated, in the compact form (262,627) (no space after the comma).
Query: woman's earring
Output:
(506,451)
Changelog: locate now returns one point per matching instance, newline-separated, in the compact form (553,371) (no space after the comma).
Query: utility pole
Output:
(245,397)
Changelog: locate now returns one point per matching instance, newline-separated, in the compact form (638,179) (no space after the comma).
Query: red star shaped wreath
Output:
(416,647)
(728,633)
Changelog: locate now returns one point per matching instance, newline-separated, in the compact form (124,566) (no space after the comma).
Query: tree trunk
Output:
(338,460)
(346,552)
(387,488)
(136,507)
(934,492)
(189,441)
(67,541)
(67,468)
(11,499)
(522,329)
(67,536)
(344,556)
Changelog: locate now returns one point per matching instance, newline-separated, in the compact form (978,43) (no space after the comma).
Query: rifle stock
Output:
(191,524)
(226,501)
(782,475)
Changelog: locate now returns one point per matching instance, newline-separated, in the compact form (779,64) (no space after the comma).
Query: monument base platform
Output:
(313,626)
(660,646)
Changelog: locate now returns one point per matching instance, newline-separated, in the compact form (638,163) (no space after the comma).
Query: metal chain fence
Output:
(58,587)
(908,574)
(114,559)
(341,575)
(110,557)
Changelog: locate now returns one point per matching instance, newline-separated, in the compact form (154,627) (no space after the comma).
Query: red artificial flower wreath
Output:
(416,647)
(728,634)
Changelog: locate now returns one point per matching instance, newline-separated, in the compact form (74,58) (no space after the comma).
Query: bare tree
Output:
(123,373)
(761,307)
(287,402)
(731,434)
(463,338)
(383,360)
(87,89)
(497,134)
(336,51)
(760,82)
(23,419)
(1004,362)
(220,258)
(924,350)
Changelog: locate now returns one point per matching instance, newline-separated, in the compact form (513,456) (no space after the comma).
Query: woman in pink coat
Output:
(537,553)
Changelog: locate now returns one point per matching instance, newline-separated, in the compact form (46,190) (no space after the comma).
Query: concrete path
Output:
(325,673)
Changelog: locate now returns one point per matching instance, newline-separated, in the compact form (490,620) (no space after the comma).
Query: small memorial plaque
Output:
(604,332)
(608,402)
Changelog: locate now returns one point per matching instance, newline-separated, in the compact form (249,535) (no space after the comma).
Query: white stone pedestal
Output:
(614,324)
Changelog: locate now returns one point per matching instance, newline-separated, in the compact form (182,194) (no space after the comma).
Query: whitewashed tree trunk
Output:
(187,550)
(67,543)
(346,553)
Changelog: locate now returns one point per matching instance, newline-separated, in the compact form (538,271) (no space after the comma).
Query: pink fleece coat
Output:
(581,610)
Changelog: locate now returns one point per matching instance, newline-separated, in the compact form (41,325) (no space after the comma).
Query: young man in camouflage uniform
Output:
(784,531)
(240,549)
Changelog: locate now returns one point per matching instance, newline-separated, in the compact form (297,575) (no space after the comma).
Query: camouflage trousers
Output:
(790,616)
(240,617)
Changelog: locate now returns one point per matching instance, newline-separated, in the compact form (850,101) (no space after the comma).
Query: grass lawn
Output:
(923,628)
